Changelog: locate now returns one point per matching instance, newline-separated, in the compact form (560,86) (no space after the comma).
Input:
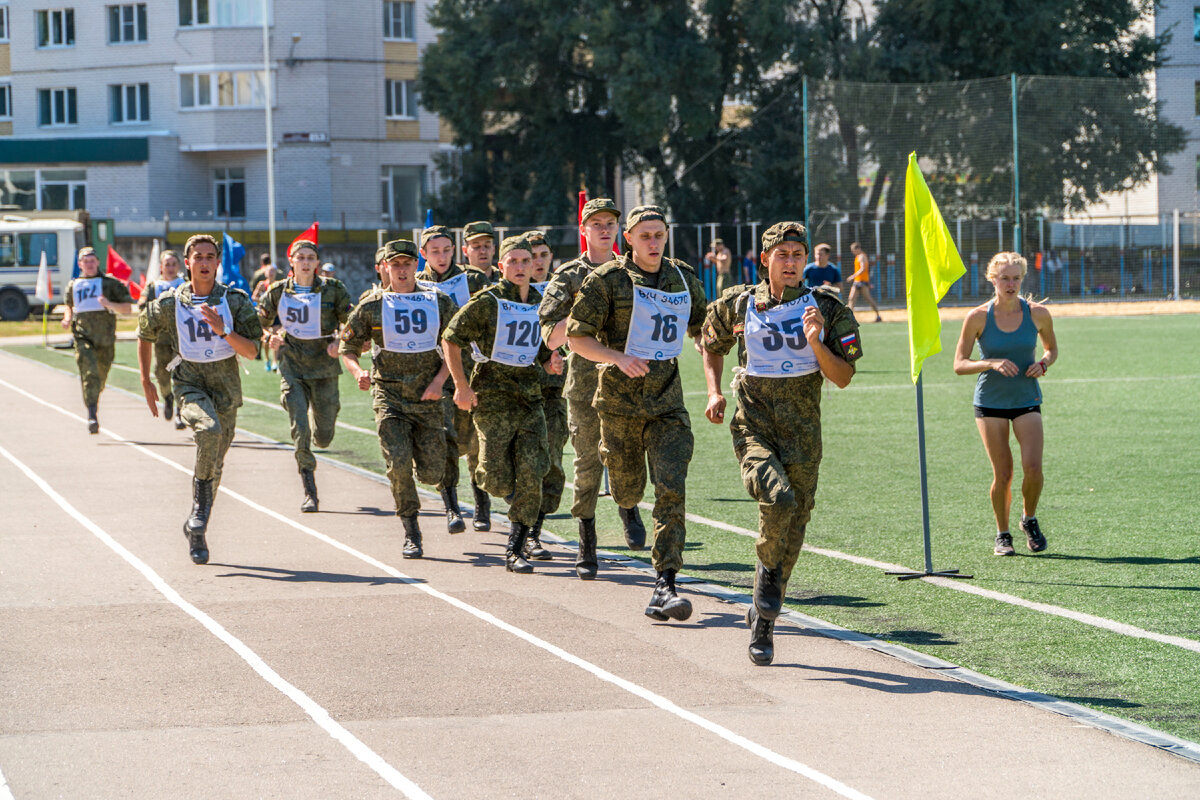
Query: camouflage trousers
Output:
(212,429)
(626,444)
(584,426)
(163,354)
(94,362)
(318,397)
(512,457)
(786,495)
(412,440)
(555,409)
(468,441)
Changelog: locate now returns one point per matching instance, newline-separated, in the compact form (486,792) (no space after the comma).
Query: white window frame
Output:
(387,177)
(225,183)
(71,183)
(64,15)
(70,103)
(3,20)
(5,98)
(139,23)
(247,81)
(407,20)
(216,9)
(400,99)
(120,101)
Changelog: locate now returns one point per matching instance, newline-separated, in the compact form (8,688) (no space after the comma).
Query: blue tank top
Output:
(994,390)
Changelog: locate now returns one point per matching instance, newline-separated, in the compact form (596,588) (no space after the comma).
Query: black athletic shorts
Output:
(1006,413)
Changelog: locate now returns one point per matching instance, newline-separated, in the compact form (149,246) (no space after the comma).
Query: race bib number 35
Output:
(410,322)
(775,343)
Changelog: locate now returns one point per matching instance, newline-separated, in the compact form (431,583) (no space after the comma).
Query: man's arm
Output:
(591,349)
(714,367)
(145,352)
(464,395)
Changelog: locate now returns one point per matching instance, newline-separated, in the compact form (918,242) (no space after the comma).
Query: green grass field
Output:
(1122,470)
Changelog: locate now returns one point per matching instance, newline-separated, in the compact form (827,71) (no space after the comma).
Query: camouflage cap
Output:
(399,247)
(644,214)
(596,205)
(515,243)
(784,232)
(474,230)
(433,232)
(379,254)
(536,238)
(86,251)
(300,244)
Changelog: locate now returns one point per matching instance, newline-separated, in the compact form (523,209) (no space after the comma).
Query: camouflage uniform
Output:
(308,377)
(208,394)
(95,334)
(641,418)
(776,426)
(163,354)
(410,429)
(579,388)
(509,419)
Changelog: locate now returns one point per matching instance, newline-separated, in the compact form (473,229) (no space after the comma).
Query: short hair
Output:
(823,246)
(163,255)
(1003,259)
(854,245)
(198,239)
(264,259)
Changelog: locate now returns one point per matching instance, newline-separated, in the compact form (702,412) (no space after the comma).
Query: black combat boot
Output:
(533,544)
(762,641)
(665,603)
(483,509)
(412,537)
(93,423)
(197,523)
(309,481)
(179,423)
(168,406)
(454,520)
(635,531)
(768,591)
(585,560)
(514,560)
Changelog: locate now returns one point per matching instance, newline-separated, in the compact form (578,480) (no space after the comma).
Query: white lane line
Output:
(599,672)
(318,714)
(5,792)
(959,386)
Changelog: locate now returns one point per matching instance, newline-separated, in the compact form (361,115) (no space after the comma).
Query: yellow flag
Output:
(931,266)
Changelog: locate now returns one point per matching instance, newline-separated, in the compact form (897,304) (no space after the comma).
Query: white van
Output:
(22,242)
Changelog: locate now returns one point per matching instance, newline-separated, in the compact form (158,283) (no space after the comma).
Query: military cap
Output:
(399,247)
(536,237)
(718,243)
(86,251)
(596,205)
(433,232)
(379,254)
(643,214)
(474,230)
(515,243)
(784,232)
(302,243)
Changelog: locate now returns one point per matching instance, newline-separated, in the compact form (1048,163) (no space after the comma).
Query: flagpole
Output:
(270,129)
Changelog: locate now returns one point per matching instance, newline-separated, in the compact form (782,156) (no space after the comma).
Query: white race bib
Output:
(658,324)
(410,322)
(540,286)
(162,287)
(775,343)
(87,293)
(456,287)
(517,334)
(300,314)
(197,341)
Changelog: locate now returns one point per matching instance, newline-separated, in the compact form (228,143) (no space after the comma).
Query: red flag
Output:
(579,221)
(1038,262)
(120,269)
(310,235)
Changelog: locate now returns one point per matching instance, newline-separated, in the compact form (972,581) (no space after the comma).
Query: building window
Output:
(129,102)
(399,20)
(5,101)
(127,24)
(43,189)
(241,89)
(221,13)
(403,188)
(229,190)
(4,21)
(56,107)
(55,28)
(401,99)
(1196,23)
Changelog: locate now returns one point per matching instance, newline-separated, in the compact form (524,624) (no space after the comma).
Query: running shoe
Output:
(1033,535)
(1004,546)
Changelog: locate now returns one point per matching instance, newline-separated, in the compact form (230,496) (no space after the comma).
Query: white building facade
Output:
(1178,87)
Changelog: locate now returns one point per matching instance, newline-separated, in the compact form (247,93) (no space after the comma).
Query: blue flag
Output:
(428,224)
(231,256)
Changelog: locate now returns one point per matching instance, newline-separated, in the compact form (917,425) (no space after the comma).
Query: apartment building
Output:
(1178,87)
(139,110)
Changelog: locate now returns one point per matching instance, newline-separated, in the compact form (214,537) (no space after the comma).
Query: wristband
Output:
(1043,363)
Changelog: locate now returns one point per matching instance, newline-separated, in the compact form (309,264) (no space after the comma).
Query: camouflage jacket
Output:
(476,323)
(476,277)
(785,411)
(404,376)
(308,358)
(152,292)
(581,374)
(97,327)
(220,380)
(603,310)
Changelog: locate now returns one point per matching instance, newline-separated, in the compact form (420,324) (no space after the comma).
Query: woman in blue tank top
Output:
(1008,328)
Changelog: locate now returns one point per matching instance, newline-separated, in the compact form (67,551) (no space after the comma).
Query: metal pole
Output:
(266,27)
(924,476)
(1016,172)
(1175,255)
(804,96)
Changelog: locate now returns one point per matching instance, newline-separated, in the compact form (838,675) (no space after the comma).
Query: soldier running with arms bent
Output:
(168,280)
(789,339)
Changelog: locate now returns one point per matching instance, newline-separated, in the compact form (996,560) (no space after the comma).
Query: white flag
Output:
(153,269)
(43,290)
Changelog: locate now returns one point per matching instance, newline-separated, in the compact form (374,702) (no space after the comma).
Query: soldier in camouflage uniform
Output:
(505,391)
(598,225)
(208,323)
(631,316)
(790,338)
(406,379)
(303,314)
(169,278)
(437,246)
(93,300)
